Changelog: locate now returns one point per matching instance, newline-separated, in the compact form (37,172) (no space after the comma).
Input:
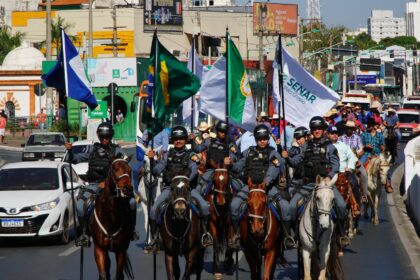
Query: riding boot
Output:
(82,239)
(206,238)
(234,242)
(289,241)
(133,216)
(388,186)
(344,239)
(153,246)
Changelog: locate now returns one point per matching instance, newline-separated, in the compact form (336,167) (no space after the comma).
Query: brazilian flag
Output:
(173,83)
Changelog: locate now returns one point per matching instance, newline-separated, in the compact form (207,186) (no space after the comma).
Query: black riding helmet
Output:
(105,130)
(261,132)
(179,132)
(300,132)
(317,122)
(222,127)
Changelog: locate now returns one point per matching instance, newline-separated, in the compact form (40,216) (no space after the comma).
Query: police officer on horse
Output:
(177,161)
(100,157)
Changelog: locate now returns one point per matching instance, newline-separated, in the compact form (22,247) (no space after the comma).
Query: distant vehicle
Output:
(44,146)
(385,92)
(358,97)
(35,200)
(411,102)
(80,147)
(394,105)
(409,123)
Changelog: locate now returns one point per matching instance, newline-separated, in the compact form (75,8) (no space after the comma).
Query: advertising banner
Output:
(103,71)
(165,15)
(100,111)
(272,18)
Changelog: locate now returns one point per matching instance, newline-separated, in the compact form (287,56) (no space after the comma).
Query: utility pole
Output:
(301,41)
(260,43)
(49,102)
(2,14)
(344,76)
(90,50)
(115,44)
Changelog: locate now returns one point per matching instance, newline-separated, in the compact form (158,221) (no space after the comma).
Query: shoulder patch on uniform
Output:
(194,157)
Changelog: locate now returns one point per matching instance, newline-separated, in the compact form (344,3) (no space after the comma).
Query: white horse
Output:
(316,227)
(377,171)
(143,190)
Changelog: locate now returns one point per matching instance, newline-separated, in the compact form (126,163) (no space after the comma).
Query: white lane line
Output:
(69,251)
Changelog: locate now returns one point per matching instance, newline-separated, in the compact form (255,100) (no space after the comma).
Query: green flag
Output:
(240,101)
(173,83)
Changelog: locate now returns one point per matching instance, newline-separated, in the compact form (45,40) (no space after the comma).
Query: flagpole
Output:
(193,71)
(227,82)
(155,40)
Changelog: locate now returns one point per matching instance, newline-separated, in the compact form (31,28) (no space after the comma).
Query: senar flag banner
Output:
(173,83)
(304,96)
(69,75)
(213,90)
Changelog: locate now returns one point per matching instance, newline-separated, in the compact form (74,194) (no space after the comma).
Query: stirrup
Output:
(83,241)
(234,242)
(151,247)
(344,241)
(290,243)
(206,239)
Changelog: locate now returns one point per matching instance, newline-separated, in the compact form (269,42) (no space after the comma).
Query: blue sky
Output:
(350,13)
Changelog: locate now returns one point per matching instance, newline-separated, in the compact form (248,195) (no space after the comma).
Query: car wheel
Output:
(65,234)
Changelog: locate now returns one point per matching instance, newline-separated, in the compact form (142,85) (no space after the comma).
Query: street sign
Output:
(100,111)
(113,88)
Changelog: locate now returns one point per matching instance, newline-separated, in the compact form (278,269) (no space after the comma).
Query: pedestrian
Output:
(3,122)
(41,118)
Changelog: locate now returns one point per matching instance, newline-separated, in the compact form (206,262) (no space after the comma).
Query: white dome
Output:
(24,57)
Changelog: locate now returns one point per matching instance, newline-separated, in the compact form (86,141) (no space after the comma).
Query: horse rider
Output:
(300,136)
(216,149)
(318,157)
(261,163)
(99,158)
(348,160)
(177,161)
(372,140)
(392,121)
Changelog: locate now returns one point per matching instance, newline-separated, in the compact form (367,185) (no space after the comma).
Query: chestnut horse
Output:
(181,232)
(219,198)
(260,232)
(110,222)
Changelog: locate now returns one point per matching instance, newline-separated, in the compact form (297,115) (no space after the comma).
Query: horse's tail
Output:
(128,268)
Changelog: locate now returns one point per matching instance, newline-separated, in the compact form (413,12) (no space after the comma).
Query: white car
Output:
(35,200)
(79,148)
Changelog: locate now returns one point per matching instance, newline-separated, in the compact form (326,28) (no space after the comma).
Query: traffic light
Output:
(391,54)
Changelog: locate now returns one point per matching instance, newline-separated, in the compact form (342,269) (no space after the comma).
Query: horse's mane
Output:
(374,165)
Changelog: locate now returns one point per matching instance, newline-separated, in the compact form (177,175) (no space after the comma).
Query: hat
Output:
(350,124)
(331,113)
(263,115)
(339,104)
(332,129)
(357,107)
(349,105)
(390,109)
(203,126)
(374,106)
(275,116)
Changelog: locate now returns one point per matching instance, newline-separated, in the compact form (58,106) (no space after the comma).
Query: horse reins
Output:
(221,177)
(115,179)
(263,218)
(108,236)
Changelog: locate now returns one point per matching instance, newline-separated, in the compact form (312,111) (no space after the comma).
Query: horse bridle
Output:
(180,198)
(219,191)
(118,190)
(254,216)
(321,211)
(263,218)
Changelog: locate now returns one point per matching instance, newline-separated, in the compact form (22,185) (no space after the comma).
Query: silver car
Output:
(44,146)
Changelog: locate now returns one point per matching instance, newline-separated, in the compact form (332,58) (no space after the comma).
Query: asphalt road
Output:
(377,253)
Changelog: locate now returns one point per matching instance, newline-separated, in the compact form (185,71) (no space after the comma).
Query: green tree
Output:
(56,26)
(363,41)
(403,41)
(8,42)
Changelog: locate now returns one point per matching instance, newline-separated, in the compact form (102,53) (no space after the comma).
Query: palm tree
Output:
(8,42)
(56,33)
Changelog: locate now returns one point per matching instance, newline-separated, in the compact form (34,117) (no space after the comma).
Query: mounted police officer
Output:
(261,163)
(176,161)
(318,157)
(99,157)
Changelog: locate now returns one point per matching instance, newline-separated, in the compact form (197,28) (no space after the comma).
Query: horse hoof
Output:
(218,276)
(340,253)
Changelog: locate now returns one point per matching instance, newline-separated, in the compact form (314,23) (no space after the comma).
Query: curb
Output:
(10,148)
(406,230)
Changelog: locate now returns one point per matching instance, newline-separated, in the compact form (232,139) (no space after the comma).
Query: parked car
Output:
(44,146)
(409,123)
(83,147)
(36,200)
(411,102)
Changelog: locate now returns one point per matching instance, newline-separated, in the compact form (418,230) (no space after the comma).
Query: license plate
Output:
(405,134)
(12,223)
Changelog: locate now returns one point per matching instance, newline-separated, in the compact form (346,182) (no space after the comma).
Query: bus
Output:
(385,92)
(358,97)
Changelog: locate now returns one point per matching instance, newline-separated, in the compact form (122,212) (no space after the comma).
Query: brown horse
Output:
(260,232)
(110,222)
(219,198)
(181,232)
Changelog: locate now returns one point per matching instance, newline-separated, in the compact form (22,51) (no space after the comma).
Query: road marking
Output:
(69,251)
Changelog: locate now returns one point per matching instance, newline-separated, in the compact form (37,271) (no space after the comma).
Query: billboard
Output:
(165,15)
(103,71)
(275,17)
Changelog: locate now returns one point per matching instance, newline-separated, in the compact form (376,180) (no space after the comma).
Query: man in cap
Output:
(178,160)
(392,121)
(262,164)
(374,114)
(319,157)
(204,130)
(263,119)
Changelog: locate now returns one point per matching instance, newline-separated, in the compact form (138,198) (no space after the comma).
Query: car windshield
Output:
(412,106)
(408,118)
(28,179)
(364,106)
(45,139)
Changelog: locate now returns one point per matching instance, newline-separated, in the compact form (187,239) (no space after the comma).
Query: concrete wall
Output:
(412,178)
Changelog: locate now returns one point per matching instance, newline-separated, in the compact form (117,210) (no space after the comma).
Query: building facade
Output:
(383,24)
(412,17)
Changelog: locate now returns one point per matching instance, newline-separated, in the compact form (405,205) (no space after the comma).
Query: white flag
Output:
(304,96)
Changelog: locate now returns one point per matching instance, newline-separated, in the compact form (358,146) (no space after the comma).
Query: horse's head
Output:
(257,206)
(180,186)
(324,200)
(221,188)
(120,173)
(385,164)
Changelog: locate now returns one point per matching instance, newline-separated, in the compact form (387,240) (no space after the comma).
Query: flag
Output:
(173,84)
(69,75)
(304,96)
(213,90)
(198,71)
